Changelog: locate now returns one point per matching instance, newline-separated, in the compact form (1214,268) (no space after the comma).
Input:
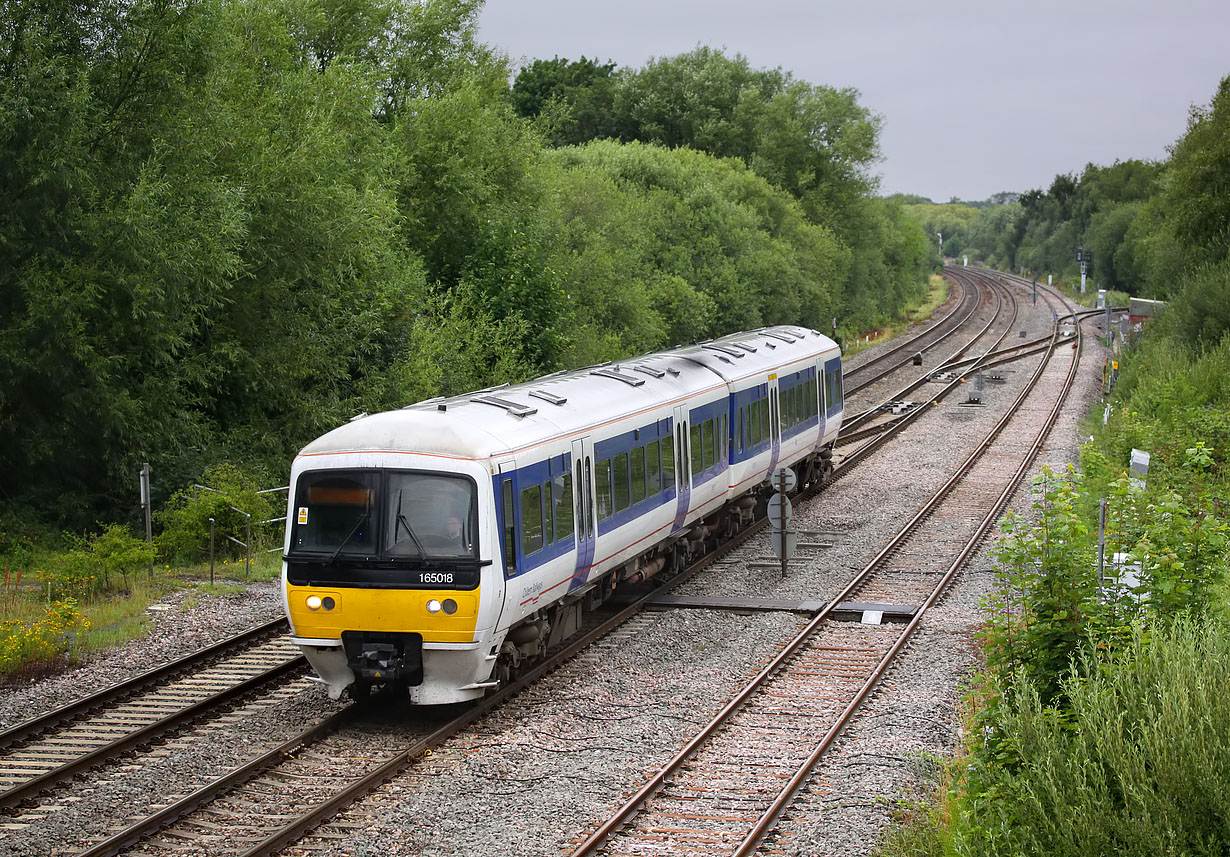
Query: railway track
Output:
(47,750)
(903,354)
(723,792)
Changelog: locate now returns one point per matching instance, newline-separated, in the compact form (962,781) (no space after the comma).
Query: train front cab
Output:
(388,577)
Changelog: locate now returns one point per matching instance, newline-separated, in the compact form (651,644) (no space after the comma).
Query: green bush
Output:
(23,644)
(1136,764)
(185,518)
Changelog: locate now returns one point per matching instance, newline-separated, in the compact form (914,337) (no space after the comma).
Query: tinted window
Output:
(697,462)
(709,454)
(563,506)
(668,464)
(531,520)
(620,481)
(653,468)
(510,546)
(602,485)
(638,474)
(336,512)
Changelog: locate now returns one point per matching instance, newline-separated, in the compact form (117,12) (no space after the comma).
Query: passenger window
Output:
(510,531)
(638,474)
(753,423)
(710,452)
(653,468)
(589,502)
(531,519)
(741,440)
(668,465)
(602,477)
(723,439)
(548,531)
(563,507)
(620,481)
(697,463)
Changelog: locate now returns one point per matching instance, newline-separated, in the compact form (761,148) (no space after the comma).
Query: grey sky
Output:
(976,97)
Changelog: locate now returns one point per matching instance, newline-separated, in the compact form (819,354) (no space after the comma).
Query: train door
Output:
(506,493)
(683,466)
(584,516)
(775,422)
(819,393)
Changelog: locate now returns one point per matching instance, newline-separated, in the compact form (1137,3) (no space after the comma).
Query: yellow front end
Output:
(456,665)
(391,610)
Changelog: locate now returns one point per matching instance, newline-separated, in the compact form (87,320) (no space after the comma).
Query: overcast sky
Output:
(977,96)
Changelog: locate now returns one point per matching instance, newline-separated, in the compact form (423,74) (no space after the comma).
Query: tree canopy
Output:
(228,225)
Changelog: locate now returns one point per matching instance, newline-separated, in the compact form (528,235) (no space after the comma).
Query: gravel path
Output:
(533,777)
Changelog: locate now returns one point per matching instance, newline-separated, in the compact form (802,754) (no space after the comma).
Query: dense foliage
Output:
(227,225)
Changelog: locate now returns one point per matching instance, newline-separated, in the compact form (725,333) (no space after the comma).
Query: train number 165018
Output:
(436,577)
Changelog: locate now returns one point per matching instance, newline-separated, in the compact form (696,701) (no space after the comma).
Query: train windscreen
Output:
(371,525)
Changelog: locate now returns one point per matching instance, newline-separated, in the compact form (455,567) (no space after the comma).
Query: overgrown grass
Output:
(38,638)
(937,293)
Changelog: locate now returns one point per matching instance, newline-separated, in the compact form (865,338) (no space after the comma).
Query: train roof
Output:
(511,419)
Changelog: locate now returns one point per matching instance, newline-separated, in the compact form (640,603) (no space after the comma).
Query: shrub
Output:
(185,517)
(1135,765)
(25,643)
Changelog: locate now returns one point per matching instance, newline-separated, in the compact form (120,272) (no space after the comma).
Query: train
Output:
(445,546)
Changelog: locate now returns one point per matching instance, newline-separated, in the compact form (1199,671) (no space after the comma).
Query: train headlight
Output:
(434,606)
(450,606)
(314,602)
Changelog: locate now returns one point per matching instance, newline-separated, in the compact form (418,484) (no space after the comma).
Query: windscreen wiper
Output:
(349,536)
(402,522)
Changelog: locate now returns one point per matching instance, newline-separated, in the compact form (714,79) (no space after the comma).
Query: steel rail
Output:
(969,287)
(123,689)
(393,765)
(796,782)
(856,421)
(30,789)
(591,844)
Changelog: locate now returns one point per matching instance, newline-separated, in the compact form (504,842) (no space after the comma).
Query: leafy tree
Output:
(577,98)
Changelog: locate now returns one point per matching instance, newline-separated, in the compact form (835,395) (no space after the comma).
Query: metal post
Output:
(1101,540)
(145,506)
(1035,291)
(781,505)
(247,567)
(211,551)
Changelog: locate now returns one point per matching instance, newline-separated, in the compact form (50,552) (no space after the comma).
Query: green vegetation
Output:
(228,226)
(368,214)
(1100,725)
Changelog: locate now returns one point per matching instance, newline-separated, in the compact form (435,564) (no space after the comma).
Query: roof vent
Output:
(649,370)
(515,408)
(619,376)
(548,397)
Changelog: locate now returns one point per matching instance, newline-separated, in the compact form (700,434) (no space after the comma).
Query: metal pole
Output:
(1101,540)
(781,506)
(211,551)
(146,505)
(247,568)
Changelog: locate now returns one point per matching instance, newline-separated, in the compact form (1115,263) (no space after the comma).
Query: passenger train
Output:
(443,546)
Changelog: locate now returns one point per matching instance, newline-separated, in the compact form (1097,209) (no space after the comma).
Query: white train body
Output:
(443,545)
